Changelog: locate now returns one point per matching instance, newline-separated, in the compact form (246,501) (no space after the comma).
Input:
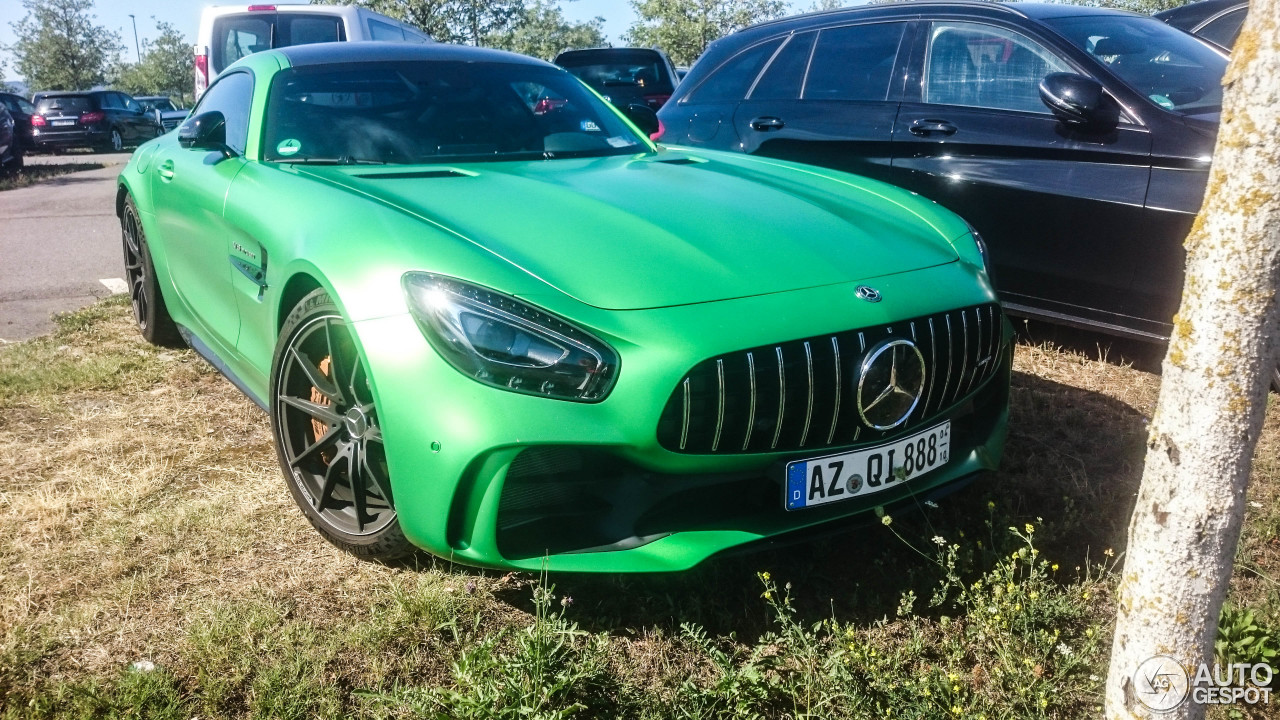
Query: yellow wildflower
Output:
(886,521)
(765,575)
(1030,528)
(1054,567)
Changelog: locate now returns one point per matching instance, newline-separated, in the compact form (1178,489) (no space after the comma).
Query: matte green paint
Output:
(670,264)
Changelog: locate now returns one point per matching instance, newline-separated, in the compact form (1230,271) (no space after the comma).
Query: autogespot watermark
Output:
(1162,684)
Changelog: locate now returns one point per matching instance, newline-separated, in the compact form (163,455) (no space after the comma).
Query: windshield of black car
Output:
(433,112)
(1171,68)
(161,104)
(609,70)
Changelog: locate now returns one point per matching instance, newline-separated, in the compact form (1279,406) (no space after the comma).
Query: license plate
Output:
(854,474)
(60,123)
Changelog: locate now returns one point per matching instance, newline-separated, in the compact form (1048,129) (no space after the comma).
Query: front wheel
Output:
(327,433)
(116,143)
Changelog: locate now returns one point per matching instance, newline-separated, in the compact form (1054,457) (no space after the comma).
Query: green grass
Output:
(152,565)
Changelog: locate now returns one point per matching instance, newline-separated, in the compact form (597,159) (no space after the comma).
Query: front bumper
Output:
(496,479)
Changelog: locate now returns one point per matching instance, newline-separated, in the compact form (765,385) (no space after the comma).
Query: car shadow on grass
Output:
(1072,465)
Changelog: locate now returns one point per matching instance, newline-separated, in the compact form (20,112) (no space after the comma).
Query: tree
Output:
(684,28)
(453,21)
(60,48)
(543,32)
(1186,525)
(166,68)
(1144,7)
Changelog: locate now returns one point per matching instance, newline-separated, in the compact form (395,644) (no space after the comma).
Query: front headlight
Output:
(509,344)
(982,251)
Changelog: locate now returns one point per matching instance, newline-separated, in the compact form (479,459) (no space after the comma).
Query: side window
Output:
(235,37)
(853,62)
(986,66)
(131,104)
(110,101)
(784,76)
(232,96)
(1223,30)
(26,107)
(415,38)
(730,81)
(383,31)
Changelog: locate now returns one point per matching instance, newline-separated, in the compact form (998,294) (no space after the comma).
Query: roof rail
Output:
(1008,7)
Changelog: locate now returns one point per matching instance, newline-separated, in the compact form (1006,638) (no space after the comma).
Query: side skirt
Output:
(203,351)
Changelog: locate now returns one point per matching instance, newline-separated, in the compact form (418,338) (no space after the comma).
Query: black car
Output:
(1076,140)
(171,116)
(107,120)
(1217,21)
(21,111)
(623,76)
(10,153)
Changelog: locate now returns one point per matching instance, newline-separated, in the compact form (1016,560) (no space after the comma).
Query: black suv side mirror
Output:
(1079,101)
(643,117)
(206,131)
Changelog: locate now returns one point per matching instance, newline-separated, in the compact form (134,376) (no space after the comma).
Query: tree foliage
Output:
(166,68)
(684,28)
(544,31)
(1145,7)
(59,47)
(454,21)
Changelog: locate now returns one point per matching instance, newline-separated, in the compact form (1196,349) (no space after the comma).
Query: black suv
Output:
(103,119)
(1077,140)
(1217,21)
(624,76)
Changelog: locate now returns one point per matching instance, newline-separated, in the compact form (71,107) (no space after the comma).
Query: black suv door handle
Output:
(767,124)
(929,126)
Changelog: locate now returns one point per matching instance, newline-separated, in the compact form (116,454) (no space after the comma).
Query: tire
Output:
(149,310)
(116,143)
(327,436)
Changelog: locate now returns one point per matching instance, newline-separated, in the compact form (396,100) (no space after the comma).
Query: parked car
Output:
(230,32)
(1217,21)
(623,75)
(21,111)
(10,153)
(106,120)
(1077,140)
(538,340)
(171,116)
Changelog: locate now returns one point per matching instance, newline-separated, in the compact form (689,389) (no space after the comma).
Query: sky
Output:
(185,15)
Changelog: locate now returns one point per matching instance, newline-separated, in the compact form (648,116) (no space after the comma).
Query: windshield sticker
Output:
(590,126)
(620,142)
(288,147)
(1162,101)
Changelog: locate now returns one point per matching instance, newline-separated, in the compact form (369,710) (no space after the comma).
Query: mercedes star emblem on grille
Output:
(890,381)
(868,293)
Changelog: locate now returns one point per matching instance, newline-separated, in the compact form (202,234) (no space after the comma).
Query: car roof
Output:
(347,52)
(913,8)
(1188,16)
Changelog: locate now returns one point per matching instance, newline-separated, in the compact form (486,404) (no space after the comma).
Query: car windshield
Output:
(609,70)
(1173,69)
(161,104)
(432,112)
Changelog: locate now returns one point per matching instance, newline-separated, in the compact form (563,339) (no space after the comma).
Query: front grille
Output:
(802,394)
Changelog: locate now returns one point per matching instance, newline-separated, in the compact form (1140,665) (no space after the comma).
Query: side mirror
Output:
(1079,101)
(206,131)
(643,117)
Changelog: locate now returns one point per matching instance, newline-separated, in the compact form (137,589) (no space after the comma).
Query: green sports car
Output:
(489,318)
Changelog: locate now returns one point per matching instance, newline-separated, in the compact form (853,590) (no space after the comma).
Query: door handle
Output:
(931,126)
(165,170)
(767,124)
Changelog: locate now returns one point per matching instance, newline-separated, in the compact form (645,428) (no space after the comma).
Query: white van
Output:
(228,33)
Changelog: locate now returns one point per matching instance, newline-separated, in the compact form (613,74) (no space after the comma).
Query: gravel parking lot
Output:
(60,242)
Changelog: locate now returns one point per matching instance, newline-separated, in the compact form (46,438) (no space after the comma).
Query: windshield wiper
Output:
(344,160)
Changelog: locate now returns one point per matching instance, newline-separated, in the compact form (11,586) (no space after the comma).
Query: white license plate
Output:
(60,123)
(854,474)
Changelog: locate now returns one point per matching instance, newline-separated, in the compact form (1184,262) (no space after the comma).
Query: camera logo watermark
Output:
(1162,684)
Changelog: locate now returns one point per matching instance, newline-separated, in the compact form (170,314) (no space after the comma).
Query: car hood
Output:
(658,230)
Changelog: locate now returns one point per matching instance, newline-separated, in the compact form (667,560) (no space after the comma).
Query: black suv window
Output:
(784,76)
(853,62)
(111,101)
(1223,30)
(231,95)
(986,66)
(65,105)
(730,81)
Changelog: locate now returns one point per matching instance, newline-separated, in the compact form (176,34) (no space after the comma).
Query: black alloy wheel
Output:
(149,311)
(328,437)
(117,140)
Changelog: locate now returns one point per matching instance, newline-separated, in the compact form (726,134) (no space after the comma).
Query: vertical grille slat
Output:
(714,402)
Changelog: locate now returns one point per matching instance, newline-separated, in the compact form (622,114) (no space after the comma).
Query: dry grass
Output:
(32,174)
(142,516)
